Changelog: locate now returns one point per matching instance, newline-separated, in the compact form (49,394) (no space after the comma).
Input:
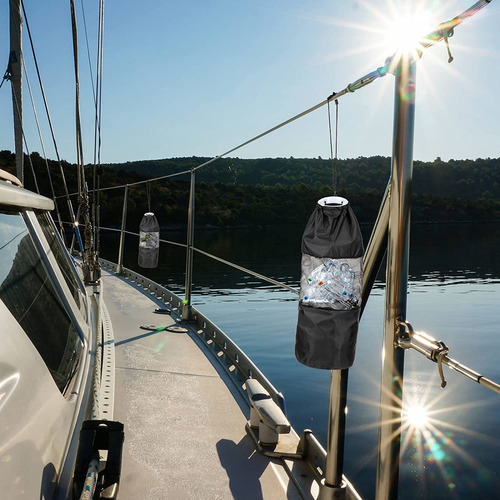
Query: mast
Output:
(15,70)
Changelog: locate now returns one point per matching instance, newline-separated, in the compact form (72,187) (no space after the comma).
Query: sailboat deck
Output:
(184,426)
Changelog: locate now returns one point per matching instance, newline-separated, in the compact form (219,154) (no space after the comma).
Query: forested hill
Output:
(469,179)
(240,192)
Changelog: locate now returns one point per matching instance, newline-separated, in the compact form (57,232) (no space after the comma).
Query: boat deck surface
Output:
(184,426)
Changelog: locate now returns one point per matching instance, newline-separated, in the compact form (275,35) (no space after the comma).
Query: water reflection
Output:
(453,295)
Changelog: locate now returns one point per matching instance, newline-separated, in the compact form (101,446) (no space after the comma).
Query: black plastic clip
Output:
(331,96)
(95,436)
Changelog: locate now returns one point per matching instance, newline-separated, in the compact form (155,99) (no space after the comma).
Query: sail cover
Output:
(330,287)
(149,241)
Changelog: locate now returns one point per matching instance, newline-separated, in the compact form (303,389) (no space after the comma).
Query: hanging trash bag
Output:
(330,286)
(149,241)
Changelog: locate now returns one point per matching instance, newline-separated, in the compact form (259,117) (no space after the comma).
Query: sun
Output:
(406,32)
(416,416)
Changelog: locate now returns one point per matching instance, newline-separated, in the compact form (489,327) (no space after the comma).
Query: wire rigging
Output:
(79,142)
(100,63)
(90,263)
(97,125)
(49,175)
(88,50)
(442,31)
(28,155)
(20,119)
(42,90)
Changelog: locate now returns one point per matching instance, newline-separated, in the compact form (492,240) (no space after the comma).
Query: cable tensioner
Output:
(435,350)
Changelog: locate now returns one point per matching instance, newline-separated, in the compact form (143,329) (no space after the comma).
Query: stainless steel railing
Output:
(228,263)
(391,235)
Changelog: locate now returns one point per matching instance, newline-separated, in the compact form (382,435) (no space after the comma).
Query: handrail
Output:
(175,243)
(248,271)
(218,259)
(237,365)
(392,227)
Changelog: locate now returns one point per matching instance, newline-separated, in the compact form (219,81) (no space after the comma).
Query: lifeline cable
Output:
(434,37)
(441,32)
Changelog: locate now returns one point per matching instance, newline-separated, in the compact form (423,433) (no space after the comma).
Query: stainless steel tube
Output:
(332,488)
(186,306)
(339,378)
(119,267)
(375,249)
(396,280)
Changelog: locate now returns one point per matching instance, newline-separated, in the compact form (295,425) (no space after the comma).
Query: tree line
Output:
(261,192)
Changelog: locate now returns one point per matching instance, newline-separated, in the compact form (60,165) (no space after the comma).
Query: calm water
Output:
(453,295)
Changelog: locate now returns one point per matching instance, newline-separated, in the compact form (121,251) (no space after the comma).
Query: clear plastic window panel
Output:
(26,290)
(331,283)
(62,260)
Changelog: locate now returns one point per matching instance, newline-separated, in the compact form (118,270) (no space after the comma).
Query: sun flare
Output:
(416,416)
(406,32)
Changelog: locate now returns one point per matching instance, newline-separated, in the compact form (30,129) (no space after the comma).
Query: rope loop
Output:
(335,173)
(148,195)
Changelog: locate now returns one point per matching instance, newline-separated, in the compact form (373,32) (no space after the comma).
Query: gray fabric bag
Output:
(330,287)
(149,241)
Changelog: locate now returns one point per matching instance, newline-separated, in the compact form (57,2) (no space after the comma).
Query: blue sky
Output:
(199,77)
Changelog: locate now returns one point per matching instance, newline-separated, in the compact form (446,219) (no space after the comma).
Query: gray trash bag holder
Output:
(149,241)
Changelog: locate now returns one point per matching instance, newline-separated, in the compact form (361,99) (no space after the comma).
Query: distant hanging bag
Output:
(149,241)
(330,287)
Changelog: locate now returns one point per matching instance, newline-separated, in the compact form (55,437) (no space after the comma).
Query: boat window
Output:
(28,293)
(62,257)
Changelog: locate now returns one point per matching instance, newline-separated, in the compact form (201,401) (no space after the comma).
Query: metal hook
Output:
(450,57)
(438,358)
